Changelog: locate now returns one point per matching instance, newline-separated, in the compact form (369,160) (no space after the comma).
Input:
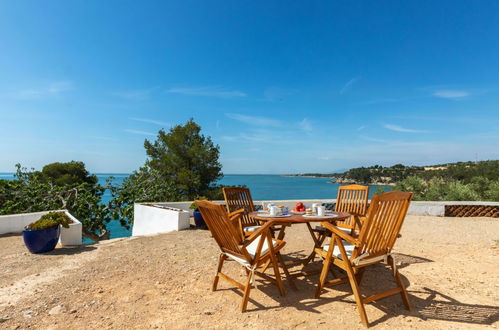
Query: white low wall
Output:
(154,218)
(15,223)
(289,203)
(415,208)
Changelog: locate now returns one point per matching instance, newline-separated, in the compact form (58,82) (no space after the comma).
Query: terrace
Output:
(163,281)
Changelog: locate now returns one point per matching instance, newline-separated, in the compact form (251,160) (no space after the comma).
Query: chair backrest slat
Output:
(384,221)
(237,198)
(352,199)
(220,227)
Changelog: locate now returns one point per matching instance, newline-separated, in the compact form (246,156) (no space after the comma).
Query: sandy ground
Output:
(451,266)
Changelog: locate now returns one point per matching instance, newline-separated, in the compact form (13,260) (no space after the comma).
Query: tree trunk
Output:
(94,237)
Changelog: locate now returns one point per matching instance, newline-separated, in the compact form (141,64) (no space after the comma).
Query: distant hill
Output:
(377,174)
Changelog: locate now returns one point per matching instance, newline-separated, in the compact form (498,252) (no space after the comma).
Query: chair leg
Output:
(396,275)
(246,294)
(282,291)
(356,293)
(323,277)
(221,260)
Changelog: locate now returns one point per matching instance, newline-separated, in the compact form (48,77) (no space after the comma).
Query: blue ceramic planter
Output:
(40,241)
(198,219)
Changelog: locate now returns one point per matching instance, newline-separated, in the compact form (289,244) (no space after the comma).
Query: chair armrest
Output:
(235,220)
(237,212)
(359,221)
(340,233)
(256,234)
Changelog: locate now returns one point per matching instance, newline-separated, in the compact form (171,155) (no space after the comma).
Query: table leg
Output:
(280,236)
(282,232)
(317,244)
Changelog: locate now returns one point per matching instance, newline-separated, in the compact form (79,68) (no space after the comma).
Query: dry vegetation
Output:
(163,281)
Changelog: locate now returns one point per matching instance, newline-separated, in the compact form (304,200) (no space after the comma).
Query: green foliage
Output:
(198,198)
(360,175)
(70,173)
(182,164)
(464,172)
(380,190)
(185,158)
(144,185)
(49,220)
(414,184)
(31,191)
(437,189)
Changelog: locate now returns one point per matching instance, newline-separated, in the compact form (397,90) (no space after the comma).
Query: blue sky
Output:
(281,86)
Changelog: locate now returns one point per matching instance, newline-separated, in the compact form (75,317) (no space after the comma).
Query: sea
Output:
(262,186)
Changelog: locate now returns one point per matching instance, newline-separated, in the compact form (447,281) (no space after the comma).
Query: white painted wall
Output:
(15,223)
(154,218)
(73,234)
(415,208)
(289,203)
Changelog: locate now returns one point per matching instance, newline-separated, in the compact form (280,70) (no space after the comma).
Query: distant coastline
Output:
(307,176)
(388,176)
(336,179)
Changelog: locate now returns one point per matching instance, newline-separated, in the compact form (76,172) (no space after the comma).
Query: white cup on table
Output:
(321,210)
(273,210)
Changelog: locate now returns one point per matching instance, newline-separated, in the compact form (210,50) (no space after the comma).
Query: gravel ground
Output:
(450,264)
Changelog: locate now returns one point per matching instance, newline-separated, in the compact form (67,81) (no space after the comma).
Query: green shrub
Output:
(458,191)
(198,198)
(49,220)
(437,189)
(414,184)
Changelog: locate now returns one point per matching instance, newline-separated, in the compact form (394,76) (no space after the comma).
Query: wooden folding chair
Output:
(251,252)
(351,199)
(239,199)
(373,245)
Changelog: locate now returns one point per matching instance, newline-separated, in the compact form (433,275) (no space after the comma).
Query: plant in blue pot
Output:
(198,218)
(42,235)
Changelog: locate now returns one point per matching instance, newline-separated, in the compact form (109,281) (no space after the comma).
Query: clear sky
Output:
(281,86)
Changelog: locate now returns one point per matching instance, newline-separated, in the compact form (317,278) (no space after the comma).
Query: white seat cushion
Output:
(254,245)
(251,229)
(252,250)
(336,252)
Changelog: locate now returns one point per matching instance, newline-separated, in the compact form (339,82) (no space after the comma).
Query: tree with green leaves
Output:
(68,173)
(182,164)
(185,158)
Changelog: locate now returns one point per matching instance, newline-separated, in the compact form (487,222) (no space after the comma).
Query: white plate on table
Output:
(267,215)
(296,212)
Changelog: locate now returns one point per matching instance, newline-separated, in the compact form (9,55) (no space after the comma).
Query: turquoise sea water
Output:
(263,187)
